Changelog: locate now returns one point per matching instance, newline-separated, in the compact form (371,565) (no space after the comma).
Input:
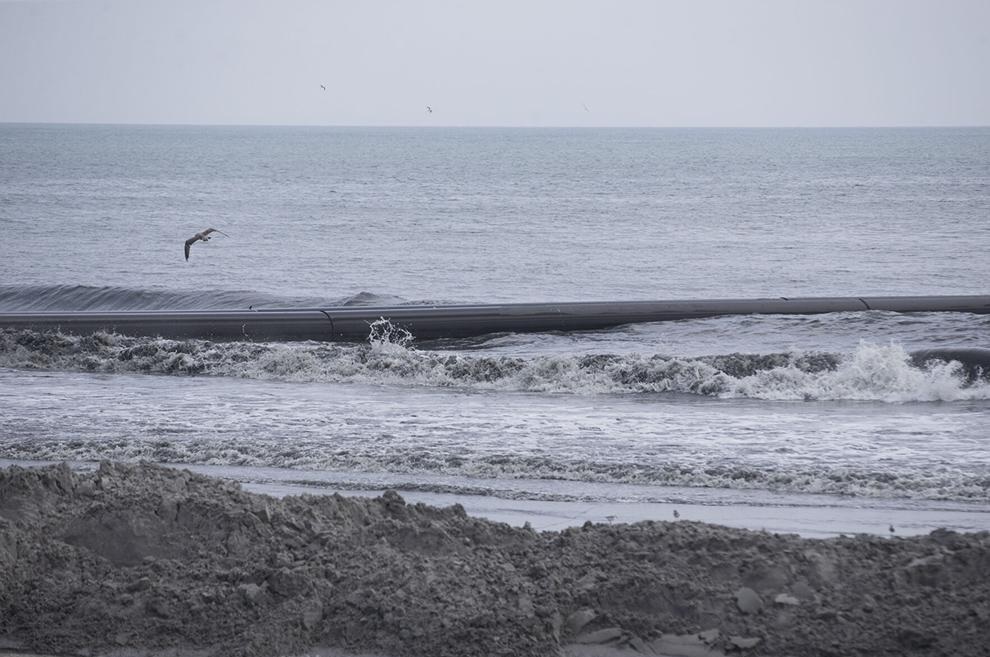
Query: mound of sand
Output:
(151,560)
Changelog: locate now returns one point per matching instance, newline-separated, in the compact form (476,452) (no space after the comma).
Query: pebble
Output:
(250,591)
(748,600)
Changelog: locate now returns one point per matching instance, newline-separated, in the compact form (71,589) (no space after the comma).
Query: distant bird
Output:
(892,530)
(585,107)
(204,235)
(676,514)
(323,87)
(429,110)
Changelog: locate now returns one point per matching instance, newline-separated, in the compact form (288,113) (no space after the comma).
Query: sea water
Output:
(825,414)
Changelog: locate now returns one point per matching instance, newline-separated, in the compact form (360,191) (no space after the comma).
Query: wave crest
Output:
(871,372)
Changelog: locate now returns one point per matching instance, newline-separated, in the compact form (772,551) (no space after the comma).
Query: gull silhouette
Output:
(202,235)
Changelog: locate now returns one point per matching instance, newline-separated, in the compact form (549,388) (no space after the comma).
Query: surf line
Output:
(352,323)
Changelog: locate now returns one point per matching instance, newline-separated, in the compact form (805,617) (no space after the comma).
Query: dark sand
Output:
(135,560)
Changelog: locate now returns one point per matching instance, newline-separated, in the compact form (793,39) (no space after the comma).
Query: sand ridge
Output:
(143,559)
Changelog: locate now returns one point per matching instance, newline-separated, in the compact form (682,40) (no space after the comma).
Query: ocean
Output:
(763,421)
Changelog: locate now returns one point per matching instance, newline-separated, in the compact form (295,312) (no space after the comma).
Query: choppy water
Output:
(93,217)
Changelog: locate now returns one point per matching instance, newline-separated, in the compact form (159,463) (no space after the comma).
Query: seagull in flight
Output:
(202,235)
(429,110)
(323,87)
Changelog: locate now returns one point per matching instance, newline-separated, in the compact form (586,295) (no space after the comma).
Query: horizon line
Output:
(905,126)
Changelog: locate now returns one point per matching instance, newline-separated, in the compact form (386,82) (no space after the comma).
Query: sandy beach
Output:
(147,560)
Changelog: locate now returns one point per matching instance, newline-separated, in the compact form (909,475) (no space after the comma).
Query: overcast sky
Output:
(500,62)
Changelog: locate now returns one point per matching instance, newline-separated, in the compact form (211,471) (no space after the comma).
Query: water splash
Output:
(383,335)
(871,372)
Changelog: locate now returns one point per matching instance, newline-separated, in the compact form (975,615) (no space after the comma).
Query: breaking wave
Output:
(871,372)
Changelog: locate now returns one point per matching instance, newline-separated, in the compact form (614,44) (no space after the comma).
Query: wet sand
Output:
(135,560)
(836,518)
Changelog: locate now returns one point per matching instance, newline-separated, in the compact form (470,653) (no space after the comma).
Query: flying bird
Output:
(429,110)
(323,87)
(203,235)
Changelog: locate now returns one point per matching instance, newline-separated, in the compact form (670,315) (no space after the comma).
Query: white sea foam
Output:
(468,473)
(871,372)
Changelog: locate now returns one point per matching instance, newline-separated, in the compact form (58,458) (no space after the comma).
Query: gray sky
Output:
(504,62)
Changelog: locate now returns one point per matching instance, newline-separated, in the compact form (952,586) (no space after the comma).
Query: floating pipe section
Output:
(352,323)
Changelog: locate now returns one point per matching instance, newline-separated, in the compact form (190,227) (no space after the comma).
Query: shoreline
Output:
(808,515)
(144,559)
(804,521)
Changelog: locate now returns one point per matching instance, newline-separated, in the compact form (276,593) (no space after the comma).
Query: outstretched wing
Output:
(189,242)
(214,230)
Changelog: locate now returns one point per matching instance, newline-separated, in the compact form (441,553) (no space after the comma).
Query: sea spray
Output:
(383,336)
(870,373)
